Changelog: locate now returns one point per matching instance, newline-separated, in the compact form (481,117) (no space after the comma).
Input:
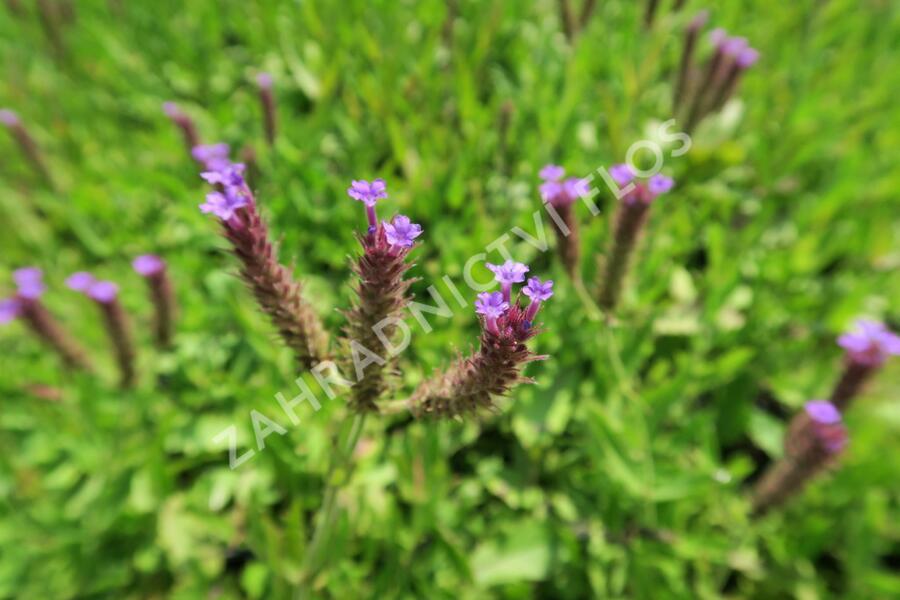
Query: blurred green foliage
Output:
(606,478)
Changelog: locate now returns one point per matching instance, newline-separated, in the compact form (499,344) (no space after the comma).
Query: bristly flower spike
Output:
(814,440)
(153,269)
(106,295)
(382,292)
(472,383)
(630,220)
(272,284)
(27,145)
(184,123)
(559,195)
(866,348)
(26,304)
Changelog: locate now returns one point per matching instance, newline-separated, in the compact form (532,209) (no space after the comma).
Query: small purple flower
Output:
(10,308)
(821,411)
(228,174)
(575,187)
(552,173)
(368,193)
(537,290)
(660,184)
(30,282)
(550,190)
(509,272)
(733,46)
(870,343)
(172,110)
(147,265)
(491,305)
(747,57)
(401,232)
(213,156)
(699,21)
(9,117)
(223,205)
(718,37)
(622,174)
(103,291)
(80,281)
(827,425)
(264,80)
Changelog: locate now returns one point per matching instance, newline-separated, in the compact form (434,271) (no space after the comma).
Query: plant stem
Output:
(329,512)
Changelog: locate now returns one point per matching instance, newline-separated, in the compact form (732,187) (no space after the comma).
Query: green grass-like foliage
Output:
(622,472)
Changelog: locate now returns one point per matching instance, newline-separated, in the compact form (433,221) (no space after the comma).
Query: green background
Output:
(620,473)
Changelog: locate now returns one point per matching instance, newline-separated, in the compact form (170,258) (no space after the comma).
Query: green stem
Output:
(590,306)
(329,511)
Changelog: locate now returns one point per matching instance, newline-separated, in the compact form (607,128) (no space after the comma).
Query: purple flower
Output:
(718,37)
(223,205)
(622,174)
(147,265)
(660,184)
(747,57)
(30,282)
(227,174)
(870,343)
(9,309)
(401,232)
(575,188)
(821,411)
(552,173)
(368,193)
(538,291)
(550,190)
(699,21)
(9,117)
(213,156)
(264,80)
(80,281)
(103,291)
(509,272)
(491,305)
(172,110)
(827,425)
(733,46)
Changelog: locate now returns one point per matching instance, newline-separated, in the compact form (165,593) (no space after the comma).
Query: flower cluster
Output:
(26,304)
(472,382)
(870,343)
(106,295)
(867,346)
(277,292)
(382,290)
(558,195)
(630,219)
(153,269)
(700,91)
(815,438)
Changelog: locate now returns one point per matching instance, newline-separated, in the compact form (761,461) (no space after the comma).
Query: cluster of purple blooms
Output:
(827,425)
(624,175)
(494,306)
(29,287)
(735,47)
(400,232)
(87,284)
(228,177)
(870,343)
(558,191)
